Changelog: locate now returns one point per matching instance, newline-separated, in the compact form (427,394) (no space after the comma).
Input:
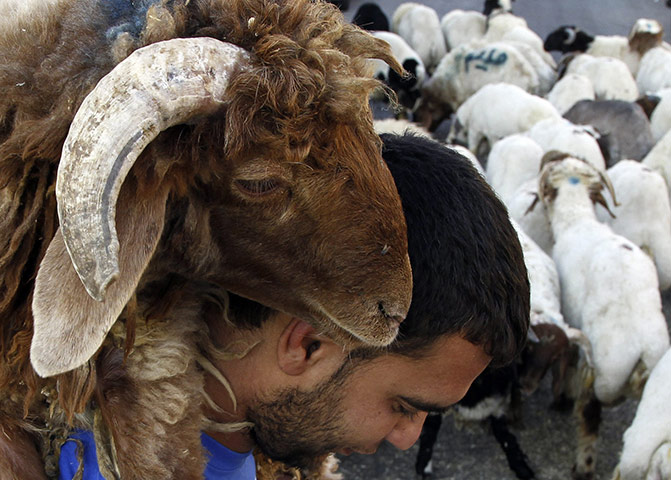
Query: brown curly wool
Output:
(142,392)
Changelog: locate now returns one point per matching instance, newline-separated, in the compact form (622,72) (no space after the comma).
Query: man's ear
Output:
(301,348)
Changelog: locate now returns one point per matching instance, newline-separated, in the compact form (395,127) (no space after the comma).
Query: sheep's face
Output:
(645,34)
(431,110)
(321,239)
(561,169)
(549,350)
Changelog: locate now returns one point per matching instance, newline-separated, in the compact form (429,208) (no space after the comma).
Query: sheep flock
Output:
(573,131)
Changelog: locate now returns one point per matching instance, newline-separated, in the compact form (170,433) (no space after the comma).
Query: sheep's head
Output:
(567,38)
(303,213)
(645,34)
(431,109)
(558,168)
(549,348)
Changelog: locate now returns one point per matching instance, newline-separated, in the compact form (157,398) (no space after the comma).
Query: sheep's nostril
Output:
(390,316)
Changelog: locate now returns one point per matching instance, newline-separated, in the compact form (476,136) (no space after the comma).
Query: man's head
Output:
(470,306)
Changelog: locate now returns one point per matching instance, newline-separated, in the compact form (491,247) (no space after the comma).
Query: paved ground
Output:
(548,437)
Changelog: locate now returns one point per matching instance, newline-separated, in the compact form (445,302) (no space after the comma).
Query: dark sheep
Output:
(370,16)
(624,125)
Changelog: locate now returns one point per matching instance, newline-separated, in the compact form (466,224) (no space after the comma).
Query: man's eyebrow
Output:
(425,406)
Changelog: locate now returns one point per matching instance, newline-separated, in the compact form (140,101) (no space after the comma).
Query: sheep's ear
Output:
(69,325)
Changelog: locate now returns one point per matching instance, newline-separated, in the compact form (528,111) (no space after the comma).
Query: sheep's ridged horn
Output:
(156,87)
(606,181)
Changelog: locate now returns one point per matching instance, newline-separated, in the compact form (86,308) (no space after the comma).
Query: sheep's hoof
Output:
(576,475)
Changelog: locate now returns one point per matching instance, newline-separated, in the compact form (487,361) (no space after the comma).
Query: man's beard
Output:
(298,428)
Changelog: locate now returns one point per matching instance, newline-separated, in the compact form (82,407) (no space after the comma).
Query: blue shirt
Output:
(223,464)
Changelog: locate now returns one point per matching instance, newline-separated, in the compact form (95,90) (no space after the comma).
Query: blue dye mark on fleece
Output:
(573,180)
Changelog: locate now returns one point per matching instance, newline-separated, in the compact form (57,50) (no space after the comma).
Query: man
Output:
(296,395)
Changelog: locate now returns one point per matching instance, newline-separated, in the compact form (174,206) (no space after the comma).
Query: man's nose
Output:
(406,432)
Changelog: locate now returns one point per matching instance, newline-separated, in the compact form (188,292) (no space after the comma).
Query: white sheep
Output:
(407,89)
(569,90)
(660,118)
(462,26)
(529,213)
(658,158)
(654,71)
(466,69)
(496,111)
(644,35)
(419,25)
(609,290)
(610,77)
(562,135)
(551,134)
(508,27)
(643,214)
(646,453)
(512,161)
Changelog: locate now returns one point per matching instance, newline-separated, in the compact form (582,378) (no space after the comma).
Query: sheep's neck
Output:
(571,205)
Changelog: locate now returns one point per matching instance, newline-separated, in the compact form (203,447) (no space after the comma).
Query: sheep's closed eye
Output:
(258,188)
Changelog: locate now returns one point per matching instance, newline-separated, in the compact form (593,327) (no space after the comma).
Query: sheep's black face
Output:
(325,241)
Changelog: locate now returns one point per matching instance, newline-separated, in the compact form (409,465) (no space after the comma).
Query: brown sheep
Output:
(269,185)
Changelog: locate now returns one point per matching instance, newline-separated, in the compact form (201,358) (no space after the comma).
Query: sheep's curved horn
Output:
(156,87)
(606,181)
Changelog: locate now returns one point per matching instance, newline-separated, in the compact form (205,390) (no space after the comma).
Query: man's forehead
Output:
(450,367)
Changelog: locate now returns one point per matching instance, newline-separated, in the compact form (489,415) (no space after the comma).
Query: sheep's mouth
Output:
(376,329)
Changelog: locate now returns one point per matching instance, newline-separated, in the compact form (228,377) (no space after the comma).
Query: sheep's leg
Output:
(588,411)
(427,440)
(517,460)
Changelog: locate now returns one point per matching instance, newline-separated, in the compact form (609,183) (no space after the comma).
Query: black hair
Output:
(468,268)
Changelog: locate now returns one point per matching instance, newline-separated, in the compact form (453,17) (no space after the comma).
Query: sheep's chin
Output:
(378,332)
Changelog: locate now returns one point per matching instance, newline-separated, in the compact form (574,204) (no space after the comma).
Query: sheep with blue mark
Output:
(468,68)
(609,290)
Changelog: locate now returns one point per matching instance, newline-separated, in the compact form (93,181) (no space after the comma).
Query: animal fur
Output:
(142,391)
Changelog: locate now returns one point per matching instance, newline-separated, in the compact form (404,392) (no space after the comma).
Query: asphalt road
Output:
(548,437)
